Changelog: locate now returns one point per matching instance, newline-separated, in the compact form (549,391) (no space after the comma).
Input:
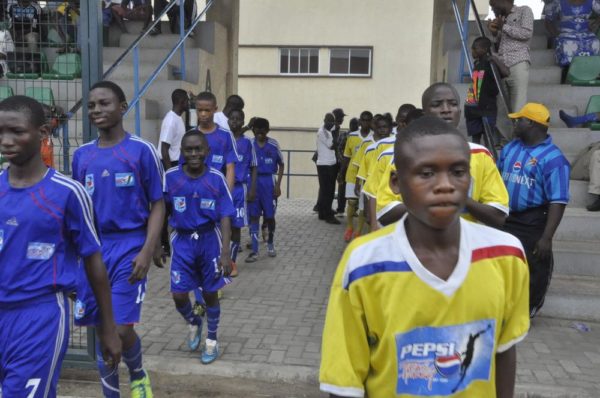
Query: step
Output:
(576,258)
(573,297)
(110,55)
(545,75)
(579,194)
(163,40)
(573,139)
(125,71)
(542,57)
(578,224)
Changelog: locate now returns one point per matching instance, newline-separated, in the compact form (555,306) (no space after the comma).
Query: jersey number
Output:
(35,383)
(141,293)
(241,212)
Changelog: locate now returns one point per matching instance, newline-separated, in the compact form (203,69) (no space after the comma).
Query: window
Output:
(301,61)
(350,61)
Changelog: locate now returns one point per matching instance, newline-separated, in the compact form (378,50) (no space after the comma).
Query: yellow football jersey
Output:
(393,329)
(360,153)
(371,154)
(487,186)
(372,184)
(353,143)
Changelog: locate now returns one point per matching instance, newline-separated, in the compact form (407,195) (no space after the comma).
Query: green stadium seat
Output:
(66,67)
(42,94)
(593,106)
(5,92)
(584,71)
(26,65)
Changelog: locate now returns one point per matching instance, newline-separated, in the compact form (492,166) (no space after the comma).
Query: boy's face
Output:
(236,122)
(401,119)
(205,109)
(478,51)
(433,178)
(444,104)
(260,133)
(104,108)
(383,128)
(329,122)
(20,141)
(365,122)
(195,151)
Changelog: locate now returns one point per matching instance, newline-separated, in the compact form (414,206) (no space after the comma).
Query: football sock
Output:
(109,377)
(212,320)
(572,121)
(188,314)
(271,227)
(133,359)
(235,246)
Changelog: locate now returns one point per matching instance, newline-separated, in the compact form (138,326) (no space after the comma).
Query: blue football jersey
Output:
(44,229)
(122,180)
(246,158)
(268,157)
(222,149)
(197,201)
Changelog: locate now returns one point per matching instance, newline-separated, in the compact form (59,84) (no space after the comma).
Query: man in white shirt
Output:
(172,130)
(326,169)
(234,101)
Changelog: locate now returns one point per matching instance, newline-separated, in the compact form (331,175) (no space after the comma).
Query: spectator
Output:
(512,31)
(24,17)
(112,12)
(339,115)
(189,9)
(68,24)
(172,130)
(344,164)
(327,169)
(234,101)
(536,174)
(137,10)
(6,46)
(572,34)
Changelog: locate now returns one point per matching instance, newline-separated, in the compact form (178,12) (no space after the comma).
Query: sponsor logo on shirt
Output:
(268,160)
(440,361)
(176,277)
(40,251)
(207,204)
(518,179)
(105,173)
(517,166)
(12,221)
(79,309)
(217,159)
(89,183)
(179,203)
(124,180)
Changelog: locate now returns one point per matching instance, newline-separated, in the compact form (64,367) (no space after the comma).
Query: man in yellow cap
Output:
(536,174)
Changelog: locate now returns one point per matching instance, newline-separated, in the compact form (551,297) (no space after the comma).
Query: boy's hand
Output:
(225,263)
(111,345)
(160,256)
(543,248)
(141,265)
(277,191)
(251,196)
(494,26)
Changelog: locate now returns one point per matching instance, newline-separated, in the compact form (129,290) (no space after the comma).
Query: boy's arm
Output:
(373,214)
(506,367)
(164,152)
(230,175)
(253,176)
(543,248)
(107,331)
(141,262)
(486,214)
(280,170)
(523,32)
(225,259)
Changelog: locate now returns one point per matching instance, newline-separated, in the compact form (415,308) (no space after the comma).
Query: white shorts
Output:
(350,190)
(362,201)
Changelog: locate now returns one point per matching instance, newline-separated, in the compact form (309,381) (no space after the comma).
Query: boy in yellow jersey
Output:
(356,161)
(432,305)
(349,169)
(488,197)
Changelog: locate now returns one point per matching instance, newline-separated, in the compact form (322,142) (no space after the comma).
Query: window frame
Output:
(349,49)
(289,60)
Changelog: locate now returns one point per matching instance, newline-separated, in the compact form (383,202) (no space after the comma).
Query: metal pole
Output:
(182,37)
(91,57)
(462,38)
(136,88)
(289,160)
(65,145)
(465,36)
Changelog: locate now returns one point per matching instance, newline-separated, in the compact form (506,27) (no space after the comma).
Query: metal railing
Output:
(288,167)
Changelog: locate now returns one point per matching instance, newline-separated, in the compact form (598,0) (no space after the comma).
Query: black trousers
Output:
(529,226)
(173,14)
(327,181)
(341,198)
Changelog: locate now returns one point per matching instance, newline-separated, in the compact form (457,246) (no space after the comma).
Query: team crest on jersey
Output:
(105,173)
(124,180)
(440,361)
(89,183)
(532,162)
(207,204)
(12,222)
(40,251)
(79,310)
(179,203)
(176,277)
(217,159)
(517,166)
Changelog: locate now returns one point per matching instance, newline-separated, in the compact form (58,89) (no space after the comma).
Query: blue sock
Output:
(254,235)
(212,320)
(109,378)
(271,227)
(133,359)
(572,121)
(235,246)
(187,312)
(198,296)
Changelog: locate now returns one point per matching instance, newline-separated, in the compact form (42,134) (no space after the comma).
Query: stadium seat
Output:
(584,71)
(42,94)
(5,92)
(26,65)
(66,67)
(594,107)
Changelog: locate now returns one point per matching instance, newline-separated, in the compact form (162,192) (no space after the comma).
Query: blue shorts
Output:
(195,261)
(118,252)
(265,203)
(34,337)
(239,202)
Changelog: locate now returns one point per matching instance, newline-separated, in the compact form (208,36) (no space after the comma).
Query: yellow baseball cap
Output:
(533,111)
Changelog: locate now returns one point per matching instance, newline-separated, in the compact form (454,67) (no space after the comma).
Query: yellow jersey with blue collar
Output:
(393,329)
(378,171)
(355,139)
(487,186)
(360,153)
(370,157)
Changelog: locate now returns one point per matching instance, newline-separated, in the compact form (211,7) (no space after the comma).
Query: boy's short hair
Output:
(235,101)
(424,126)
(413,115)
(406,108)
(388,118)
(207,96)
(114,87)
(366,113)
(178,95)
(482,42)
(260,122)
(193,133)
(21,103)
(236,110)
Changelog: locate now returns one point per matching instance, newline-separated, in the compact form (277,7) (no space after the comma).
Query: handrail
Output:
(288,168)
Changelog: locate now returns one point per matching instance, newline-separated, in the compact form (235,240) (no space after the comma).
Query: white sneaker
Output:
(210,352)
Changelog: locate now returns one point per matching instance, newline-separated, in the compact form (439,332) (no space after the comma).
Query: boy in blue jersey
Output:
(268,186)
(245,166)
(124,176)
(46,224)
(201,204)
(536,174)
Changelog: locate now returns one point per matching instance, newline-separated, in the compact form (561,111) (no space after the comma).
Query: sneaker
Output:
(210,352)
(595,206)
(193,339)
(234,270)
(199,309)
(271,250)
(141,388)
(356,234)
(252,258)
(348,235)
(332,220)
